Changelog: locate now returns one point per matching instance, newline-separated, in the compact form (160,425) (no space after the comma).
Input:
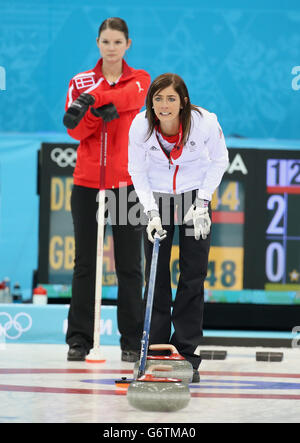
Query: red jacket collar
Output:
(178,147)
(126,74)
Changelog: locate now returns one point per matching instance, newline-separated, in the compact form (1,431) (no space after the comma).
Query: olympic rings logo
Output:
(13,328)
(64,157)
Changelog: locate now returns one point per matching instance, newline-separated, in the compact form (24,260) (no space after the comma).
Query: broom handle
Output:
(148,313)
(100,236)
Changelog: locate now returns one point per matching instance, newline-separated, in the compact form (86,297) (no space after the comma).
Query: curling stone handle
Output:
(159,368)
(165,347)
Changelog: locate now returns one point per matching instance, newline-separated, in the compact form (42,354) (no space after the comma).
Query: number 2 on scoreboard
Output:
(276,225)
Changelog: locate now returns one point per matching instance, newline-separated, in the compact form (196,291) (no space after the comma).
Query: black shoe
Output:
(130,356)
(77,352)
(196,376)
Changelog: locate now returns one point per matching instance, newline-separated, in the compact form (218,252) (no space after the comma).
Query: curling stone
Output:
(158,394)
(181,368)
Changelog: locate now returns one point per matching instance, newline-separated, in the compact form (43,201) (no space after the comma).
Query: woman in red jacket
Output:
(111,81)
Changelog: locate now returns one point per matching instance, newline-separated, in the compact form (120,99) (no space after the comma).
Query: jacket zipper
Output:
(174,179)
(170,163)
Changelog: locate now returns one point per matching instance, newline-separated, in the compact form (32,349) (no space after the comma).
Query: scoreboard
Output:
(255,240)
(282,255)
(225,266)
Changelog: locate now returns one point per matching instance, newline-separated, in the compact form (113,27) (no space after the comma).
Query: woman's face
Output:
(112,45)
(166,104)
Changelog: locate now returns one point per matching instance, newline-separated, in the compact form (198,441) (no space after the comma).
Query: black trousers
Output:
(187,313)
(128,263)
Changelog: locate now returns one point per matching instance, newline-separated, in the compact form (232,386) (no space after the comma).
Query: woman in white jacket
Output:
(177,157)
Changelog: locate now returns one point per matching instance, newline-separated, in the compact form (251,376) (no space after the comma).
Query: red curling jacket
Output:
(128,96)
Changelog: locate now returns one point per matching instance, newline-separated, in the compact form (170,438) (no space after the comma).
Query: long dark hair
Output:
(116,23)
(161,82)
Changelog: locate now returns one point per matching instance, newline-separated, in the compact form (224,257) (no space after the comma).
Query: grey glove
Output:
(199,215)
(154,224)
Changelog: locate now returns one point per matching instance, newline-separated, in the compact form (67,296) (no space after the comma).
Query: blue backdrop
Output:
(239,59)
(235,56)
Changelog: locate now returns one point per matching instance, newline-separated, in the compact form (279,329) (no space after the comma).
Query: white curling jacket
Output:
(201,165)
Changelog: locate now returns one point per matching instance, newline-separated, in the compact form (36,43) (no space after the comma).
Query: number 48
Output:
(227,277)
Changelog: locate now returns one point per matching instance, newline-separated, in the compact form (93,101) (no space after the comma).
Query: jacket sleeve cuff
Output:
(204,194)
(91,117)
